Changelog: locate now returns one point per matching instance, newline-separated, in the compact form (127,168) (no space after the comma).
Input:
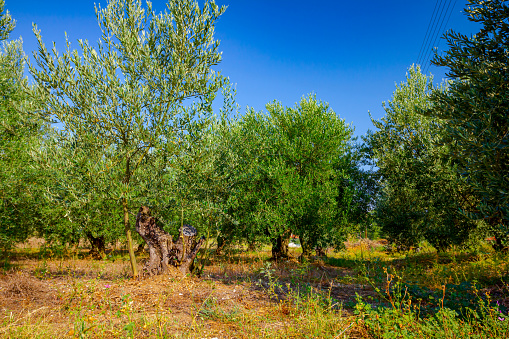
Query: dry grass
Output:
(22,286)
(237,296)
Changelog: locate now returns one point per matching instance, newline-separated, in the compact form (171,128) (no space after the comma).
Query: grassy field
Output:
(361,292)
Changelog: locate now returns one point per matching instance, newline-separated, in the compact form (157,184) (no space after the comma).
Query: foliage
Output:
(475,110)
(131,97)
(292,177)
(79,191)
(20,130)
(362,182)
(405,323)
(7,24)
(196,182)
(421,191)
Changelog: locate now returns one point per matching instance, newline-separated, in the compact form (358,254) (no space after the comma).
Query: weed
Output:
(399,316)
(82,327)
(42,270)
(210,309)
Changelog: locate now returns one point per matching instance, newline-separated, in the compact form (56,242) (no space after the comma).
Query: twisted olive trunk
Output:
(163,251)
(98,246)
(280,246)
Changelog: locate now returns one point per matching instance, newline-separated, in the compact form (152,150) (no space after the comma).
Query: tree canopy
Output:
(20,130)
(421,191)
(292,180)
(475,110)
(130,95)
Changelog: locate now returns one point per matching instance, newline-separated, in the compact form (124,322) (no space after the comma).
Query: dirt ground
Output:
(237,296)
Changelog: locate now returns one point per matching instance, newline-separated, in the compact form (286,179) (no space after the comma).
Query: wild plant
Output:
(401,315)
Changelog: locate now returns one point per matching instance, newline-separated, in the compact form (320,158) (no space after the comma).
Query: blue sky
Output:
(349,53)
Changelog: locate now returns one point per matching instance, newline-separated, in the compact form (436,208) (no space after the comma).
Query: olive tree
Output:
(475,111)
(421,192)
(7,23)
(290,180)
(140,88)
(20,129)
(79,189)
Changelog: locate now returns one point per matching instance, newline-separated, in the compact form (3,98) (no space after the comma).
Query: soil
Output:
(66,291)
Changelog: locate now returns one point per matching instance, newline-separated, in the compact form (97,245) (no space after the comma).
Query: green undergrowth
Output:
(411,311)
(427,294)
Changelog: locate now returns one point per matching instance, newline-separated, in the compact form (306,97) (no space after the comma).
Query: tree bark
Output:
(163,251)
(98,246)
(221,244)
(127,229)
(306,249)
(280,246)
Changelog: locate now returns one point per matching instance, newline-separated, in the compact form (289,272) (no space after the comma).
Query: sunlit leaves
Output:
(289,175)
(148,80)
(20,130)
(421,191)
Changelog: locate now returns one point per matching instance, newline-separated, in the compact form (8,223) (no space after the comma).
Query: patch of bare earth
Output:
(241,297)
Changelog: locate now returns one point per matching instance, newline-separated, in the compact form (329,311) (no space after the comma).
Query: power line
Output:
(427,32)
(441,30)
(438,4)
(429,46)
(435,35)
(436,19)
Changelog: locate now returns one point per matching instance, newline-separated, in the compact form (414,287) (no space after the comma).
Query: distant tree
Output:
(79,190)
(290,179)
(421,193)
(475,110)
(134,91)
(361,179)
(20,130)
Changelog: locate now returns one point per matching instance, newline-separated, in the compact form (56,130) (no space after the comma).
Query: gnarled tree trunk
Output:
(163,251)
(280,246)
(98,246)
(306,249)
(221,244)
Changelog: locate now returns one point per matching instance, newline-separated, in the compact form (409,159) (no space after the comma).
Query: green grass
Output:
(455,294)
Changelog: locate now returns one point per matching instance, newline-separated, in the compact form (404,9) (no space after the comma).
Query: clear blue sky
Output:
(349,53)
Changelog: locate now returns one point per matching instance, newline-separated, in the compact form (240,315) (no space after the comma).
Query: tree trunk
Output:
(98,246)
(321,252)
(280,247)
(163,251)
(306,249)
(221,243)
(127,229)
